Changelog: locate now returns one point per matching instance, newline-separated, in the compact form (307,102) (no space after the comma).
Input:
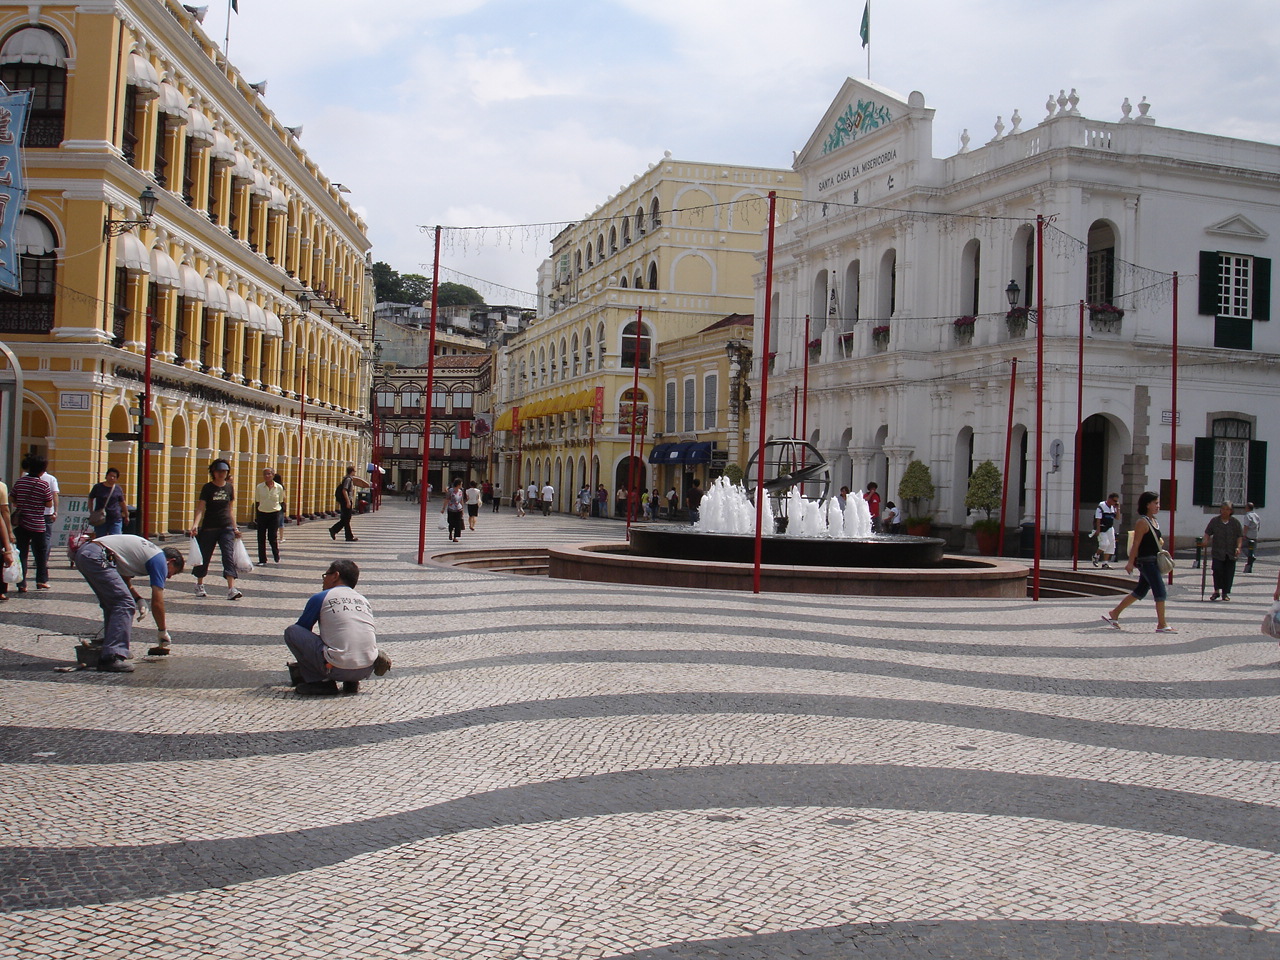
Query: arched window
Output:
(554,369)
(577,264)
(33,311)
(970,273)
(818,307)
(600,246)
(628,350)
(653,276)
(577,356)
(852,289)
(35,59)
(1100,277)
(564,359)
(626,232)
(655,221)
(639,281)
(600,351)
(639,218)
(633,404)
(887,284)
(623,283)
(590,260)
(542,366)
(411,398)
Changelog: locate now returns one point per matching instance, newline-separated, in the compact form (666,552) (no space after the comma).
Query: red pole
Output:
(426,417)
(1008,448)
(302,422)
(1035,570)
(144,434)
(635,400)
(1173,427)
(804,397)
(764,389)
(518,427)
(1075,512)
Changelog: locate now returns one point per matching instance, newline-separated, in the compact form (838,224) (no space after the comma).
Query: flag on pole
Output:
(235,5)
(865,30)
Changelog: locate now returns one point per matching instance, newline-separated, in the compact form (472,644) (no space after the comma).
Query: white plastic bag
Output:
(444,521)
(244,566)
(13,572)
(1270,623)
(194,557)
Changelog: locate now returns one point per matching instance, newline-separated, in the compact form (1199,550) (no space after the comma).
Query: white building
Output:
(903,261)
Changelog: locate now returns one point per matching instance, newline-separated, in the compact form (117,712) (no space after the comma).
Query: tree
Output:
(984,491)
(415,288)
(386,283)
(456,295)
(916,486)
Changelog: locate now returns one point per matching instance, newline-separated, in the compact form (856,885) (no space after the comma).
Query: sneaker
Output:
(200,590)
(1165,630)
(1095,561)
(381,665)
(234,594)
(350,686)
(1114,623)
(114,665)
(1106,566)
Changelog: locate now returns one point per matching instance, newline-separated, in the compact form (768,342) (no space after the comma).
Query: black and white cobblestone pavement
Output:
(564,770)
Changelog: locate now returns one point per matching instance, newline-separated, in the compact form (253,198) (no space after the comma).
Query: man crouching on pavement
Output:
(346,648)
(109,564)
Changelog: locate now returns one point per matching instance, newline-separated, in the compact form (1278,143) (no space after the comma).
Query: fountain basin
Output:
(952,576)
(686,543)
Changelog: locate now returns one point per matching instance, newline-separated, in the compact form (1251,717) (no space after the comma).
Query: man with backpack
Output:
(346,498)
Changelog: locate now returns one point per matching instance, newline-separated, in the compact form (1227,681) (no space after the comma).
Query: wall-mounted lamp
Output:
(147,200)
(1012,292)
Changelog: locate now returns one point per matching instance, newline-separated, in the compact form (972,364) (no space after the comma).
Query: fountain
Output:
(813,545)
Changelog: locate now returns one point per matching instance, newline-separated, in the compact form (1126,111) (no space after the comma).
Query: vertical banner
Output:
(14,109)
(597,410)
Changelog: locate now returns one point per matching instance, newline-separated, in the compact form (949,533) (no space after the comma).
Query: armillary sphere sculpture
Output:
(789,462)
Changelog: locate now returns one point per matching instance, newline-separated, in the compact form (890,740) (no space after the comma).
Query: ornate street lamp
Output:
(147,200)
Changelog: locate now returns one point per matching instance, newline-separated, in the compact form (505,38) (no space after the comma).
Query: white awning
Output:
(200,129)
(192,287)
(34,45)
(132,254)
(34,238)
(261,185)
(215,296)
(237,309)
(278,202)
(257,319)
(223,153)
(243,168)
(142,76)
(172,102)
(275,326)
(164,272)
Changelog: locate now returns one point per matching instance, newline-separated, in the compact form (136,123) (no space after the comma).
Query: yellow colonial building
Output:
(246,285)
(665,258)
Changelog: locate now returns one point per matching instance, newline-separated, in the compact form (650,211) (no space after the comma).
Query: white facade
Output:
(890,237)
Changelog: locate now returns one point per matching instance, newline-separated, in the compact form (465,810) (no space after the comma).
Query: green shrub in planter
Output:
(915,488)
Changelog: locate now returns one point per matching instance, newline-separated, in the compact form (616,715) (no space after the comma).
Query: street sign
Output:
(152,445)
(116,437)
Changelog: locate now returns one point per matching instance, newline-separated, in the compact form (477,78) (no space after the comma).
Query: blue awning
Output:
(659,452)
(698,452)
(677,452)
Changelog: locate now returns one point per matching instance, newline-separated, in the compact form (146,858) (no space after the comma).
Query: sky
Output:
(497,112)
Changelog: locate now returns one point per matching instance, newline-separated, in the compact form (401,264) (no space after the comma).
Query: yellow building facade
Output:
(667,257)
(132,95)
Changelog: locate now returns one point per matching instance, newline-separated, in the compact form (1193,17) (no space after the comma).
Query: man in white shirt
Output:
(109,565)
(346,647)
(1104,528)
(548,494)
(531,495)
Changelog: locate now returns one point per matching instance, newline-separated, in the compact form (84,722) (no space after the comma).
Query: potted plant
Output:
(984,494)
(846,342)
(1016,320)
(880,336)
(963,327)
(1105,316)
(915,488)
(815,348)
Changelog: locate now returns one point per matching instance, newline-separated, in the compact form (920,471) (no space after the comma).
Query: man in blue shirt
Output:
(109,564)
(346,648)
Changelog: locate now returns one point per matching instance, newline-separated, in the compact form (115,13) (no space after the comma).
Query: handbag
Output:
(98,517)
(1271,622)
(1165,562)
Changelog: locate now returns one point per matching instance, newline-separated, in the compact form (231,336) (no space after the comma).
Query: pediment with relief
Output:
(1237,226)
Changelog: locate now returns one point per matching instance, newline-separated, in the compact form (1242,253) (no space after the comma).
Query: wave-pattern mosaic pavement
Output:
(566,770)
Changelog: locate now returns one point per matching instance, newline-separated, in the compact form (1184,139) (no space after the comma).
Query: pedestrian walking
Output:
(455,501)
(548,495)
(51,514)
(517,499)
(486,493)
(693,500)
(109,564)
(107,506)
(584,502)
(7,552)
(268,502)
(1144,545)
(1104,530)
(215,523)
(346,648)
(473,497)
(531,496)
(32,495)
(1252,525)
(284,509)
(1224,537)
(497,497)
(673,503)
(602,501)
(345,495)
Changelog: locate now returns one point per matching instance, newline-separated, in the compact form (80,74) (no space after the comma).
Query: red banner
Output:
(597,412)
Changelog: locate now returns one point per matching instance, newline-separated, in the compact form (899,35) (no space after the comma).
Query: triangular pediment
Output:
(861,110)
(1237,225)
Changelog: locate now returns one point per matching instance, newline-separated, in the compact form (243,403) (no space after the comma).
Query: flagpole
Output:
(226,37)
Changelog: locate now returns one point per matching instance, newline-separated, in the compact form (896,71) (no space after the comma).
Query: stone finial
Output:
(999,127)
(1050,105)
(1062,101)
(1073,98)
(964,140)
(1126,108)
(1016,119)
(1143,108)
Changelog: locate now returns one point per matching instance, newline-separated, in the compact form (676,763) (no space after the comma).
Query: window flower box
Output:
(815,348)
(880,336)
(1016,320)
(1104,317)
(846,343)
(963,327)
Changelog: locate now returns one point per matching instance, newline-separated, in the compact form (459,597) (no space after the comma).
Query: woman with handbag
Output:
(107,511)
(1145,548)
